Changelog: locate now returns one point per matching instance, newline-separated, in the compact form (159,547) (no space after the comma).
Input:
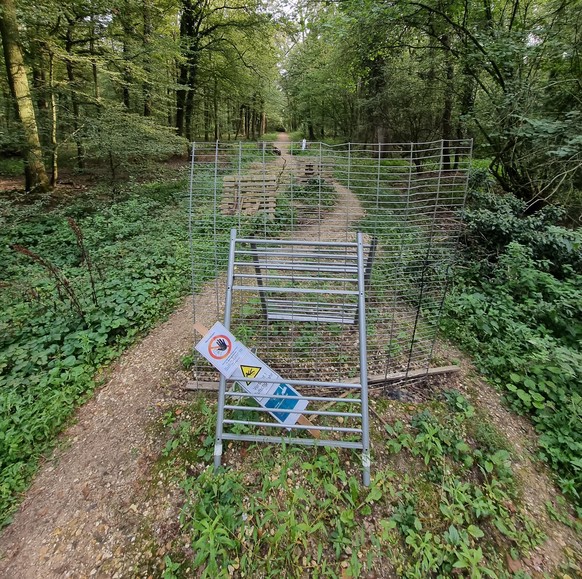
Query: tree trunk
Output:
(446,119)
(215,110)
(181,99)
(127,78)
(206,117)
(171,94)
(189,108)
(74,99)
(94,62)
(310,131)
(228,118)
(147,33)
(187,77)
(53,113)
(36,177)
(247,132)
(241,122)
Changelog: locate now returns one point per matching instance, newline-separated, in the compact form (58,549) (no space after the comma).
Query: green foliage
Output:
(131,268)
(518,311)
(477,491)
(269,530)
(316,191)
(493,221)
(298,512)
(10,167)
(122,139)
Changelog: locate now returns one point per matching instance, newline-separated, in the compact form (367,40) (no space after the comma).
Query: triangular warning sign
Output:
(250,371)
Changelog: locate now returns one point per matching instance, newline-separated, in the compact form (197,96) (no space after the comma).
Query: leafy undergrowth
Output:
(79,282)
(517,309)
(443,501)
(81,279)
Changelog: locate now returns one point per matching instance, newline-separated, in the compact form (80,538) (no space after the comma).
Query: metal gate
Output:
(297,283)
(404,198)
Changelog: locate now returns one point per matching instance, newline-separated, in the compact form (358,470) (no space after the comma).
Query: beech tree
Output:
(507,74)
(36,176)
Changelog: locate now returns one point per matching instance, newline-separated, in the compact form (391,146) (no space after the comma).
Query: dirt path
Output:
(80,514)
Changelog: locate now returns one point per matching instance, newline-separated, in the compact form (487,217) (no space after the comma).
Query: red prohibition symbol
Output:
(220,347)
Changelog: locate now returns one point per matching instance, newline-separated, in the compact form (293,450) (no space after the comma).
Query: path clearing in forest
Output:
(89,501)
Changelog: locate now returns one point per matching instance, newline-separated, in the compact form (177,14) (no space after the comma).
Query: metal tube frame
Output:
(357,311)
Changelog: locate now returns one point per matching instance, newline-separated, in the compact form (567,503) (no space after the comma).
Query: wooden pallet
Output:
(249,195)
(311,171)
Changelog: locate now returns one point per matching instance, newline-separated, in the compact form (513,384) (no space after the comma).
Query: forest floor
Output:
(89,503)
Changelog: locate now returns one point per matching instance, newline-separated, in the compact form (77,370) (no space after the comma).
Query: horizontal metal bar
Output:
(291,309)
(302,383)
(402,147)
(293,426)
(287,411)
(290,440)
(293,306)
(309,398)
(300,266)
(298,242)
(294,277)
(310,318)
(295,290)
(329,305)
(301,254)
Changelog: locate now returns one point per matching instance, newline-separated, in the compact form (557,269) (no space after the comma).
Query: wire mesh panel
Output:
(404,197)
(301,286)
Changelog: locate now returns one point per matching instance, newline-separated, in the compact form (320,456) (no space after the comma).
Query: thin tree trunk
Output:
(39,83)
(206,117)
(53,113)
(74,99)
(94,62)
(181,99)
(215,110)
(189,105)
(247,122)
(228,117)
(189,114)
(126,72)
(170,93)
(36,177)
(147,33)
(241,122)
(446,120)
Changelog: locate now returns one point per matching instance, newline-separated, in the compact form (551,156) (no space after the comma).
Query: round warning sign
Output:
(220,347)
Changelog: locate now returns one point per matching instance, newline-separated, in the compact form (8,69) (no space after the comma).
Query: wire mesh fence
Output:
(405,198)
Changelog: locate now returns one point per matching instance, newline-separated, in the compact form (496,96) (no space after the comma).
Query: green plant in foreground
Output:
(90,276)
(517,309)
(301,512)
(467,506)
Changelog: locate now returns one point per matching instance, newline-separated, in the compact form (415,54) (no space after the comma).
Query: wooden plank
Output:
(380,378)
(251,185)
(198,386)
(250,178)
(201,329)
(304,421)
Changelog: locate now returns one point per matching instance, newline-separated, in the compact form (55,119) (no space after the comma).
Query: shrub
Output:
(517,308)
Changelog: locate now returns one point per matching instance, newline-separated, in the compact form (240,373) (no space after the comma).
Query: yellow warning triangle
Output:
(250,371)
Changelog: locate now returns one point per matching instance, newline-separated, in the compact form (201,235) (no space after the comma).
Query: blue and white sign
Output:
(236,362)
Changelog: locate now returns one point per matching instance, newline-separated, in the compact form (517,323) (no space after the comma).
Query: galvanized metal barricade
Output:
(299,282)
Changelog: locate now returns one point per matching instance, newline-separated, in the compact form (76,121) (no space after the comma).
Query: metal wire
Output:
(405,197)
